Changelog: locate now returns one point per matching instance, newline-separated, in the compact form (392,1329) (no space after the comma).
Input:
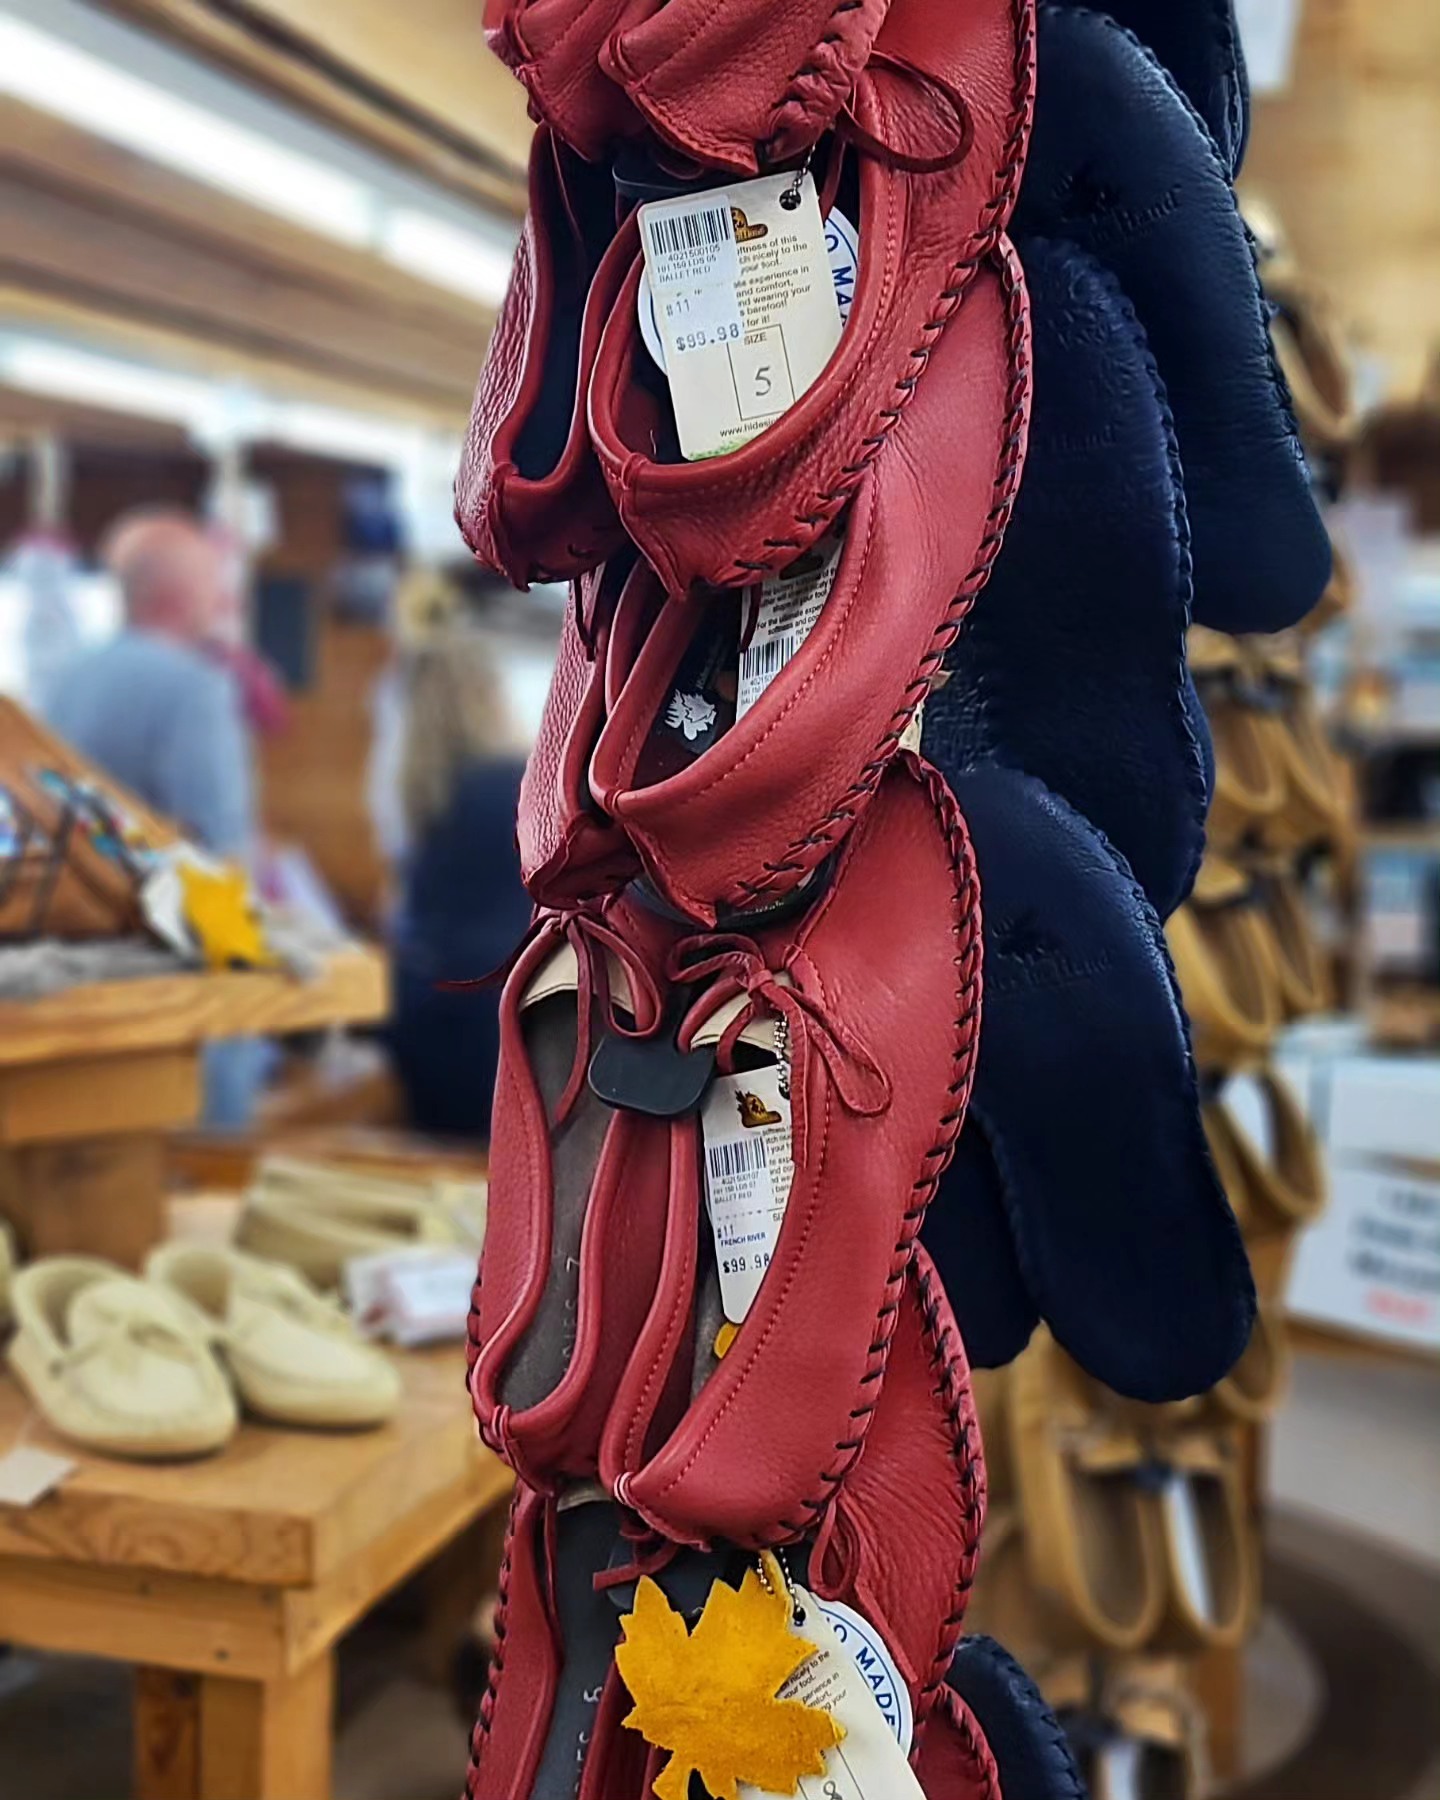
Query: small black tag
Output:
(652,1075)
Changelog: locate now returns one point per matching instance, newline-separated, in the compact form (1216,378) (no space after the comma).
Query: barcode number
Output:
(765,660)
(672,234)
(743,1157)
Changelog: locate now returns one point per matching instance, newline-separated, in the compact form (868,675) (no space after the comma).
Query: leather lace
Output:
(850,128)
(650,1554)
(736,964)
(593,941)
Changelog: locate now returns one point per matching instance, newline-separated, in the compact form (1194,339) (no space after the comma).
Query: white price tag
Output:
(876,1667)
(842,246)
(411,1296)
(748,1169)
(745,305)
(868,1763)
(788,608)
(28,1474)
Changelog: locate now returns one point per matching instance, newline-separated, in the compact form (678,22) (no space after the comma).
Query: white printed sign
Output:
(1372,1263)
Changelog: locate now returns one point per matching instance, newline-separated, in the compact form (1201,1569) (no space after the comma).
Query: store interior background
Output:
(249,259)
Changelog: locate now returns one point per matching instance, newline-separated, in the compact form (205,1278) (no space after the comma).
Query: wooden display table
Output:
(91,1078)
(228,1581)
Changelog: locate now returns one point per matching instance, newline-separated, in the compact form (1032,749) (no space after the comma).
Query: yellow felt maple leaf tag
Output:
(220,911)
(709,1695)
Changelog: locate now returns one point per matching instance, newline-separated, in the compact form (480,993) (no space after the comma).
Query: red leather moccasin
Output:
(735,87)
(901,1537)
(728,819)
(529,498)
(873,1033)
(746,85)
(942,75)
(955,1762)
(553,48)
(578,1196)
(571,851)
(550,1720)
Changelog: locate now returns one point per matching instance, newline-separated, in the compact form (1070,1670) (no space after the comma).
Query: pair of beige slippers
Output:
(1116,1527)
(317,1216)
(163,1366)
(1247,960)
(1278,781)
(1270,1164)
(1137,1729)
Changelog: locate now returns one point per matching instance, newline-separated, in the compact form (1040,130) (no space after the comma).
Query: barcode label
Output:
(690,243)
(768,659)
(787,610)
(675,233)
(746,1126)
(744,1157)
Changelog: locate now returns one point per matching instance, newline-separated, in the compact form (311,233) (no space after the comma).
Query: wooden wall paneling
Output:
(61,157)
(313,776)
(1348,156)
(142,340)
(51,239)
(424,91)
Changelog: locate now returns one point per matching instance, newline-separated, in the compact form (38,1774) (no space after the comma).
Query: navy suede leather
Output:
(1122,165)
(1087,1100)
(1072,664)
(1031,1752)
(968,1234)
(1198,41)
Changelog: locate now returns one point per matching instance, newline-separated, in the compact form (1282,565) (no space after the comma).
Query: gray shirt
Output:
(167,724)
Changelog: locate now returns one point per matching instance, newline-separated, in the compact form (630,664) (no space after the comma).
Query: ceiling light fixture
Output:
(59,78)
(195,137)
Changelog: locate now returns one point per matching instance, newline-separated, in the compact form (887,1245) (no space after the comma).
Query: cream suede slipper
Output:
(317,1216)
(115,1364)
(293,1356)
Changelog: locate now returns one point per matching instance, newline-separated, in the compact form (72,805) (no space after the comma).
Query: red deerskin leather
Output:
(883,1030)
(529,499)
(509,1734)
(570,852)
(902,1536)
(923,239)
(526,1669)
(752,816)
(623,1239)
(553,47)
(748,84)
(954,1761)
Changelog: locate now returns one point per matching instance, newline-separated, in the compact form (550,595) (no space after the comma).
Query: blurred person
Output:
(261,689)
(150,706)
(462,906)
(154,711)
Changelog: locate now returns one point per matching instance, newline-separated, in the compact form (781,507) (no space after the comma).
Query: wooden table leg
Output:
(213,1738)
(456,1585)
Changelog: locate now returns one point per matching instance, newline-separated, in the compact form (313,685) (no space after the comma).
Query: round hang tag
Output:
(842,243)
(871,1656)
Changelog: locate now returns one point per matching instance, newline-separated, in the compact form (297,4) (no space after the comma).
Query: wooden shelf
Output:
(1421,838)
(116,1018)
(228,1581)
(276,1508)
